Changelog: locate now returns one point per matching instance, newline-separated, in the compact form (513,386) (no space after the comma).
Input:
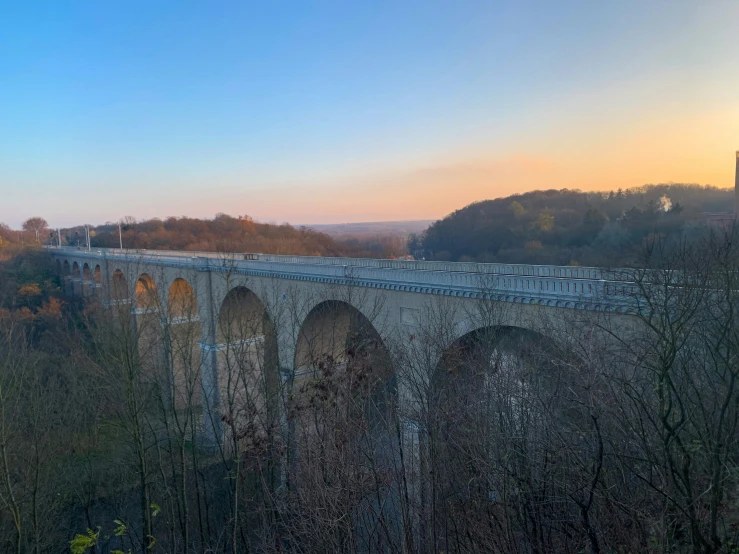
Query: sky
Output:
(355,110)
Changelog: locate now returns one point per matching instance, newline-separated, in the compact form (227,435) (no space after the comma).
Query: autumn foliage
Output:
(225,233)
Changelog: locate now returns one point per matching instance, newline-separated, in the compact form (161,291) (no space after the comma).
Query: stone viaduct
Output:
(289,314)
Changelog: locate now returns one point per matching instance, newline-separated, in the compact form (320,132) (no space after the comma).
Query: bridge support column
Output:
(413,390)
(212,424)
(211,393)
(76,286)
(87,288)
(414,510)
(67,286)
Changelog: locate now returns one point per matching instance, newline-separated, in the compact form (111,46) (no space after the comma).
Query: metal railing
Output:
(558,284)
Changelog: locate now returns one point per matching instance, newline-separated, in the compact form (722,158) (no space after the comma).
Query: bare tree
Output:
(37,226)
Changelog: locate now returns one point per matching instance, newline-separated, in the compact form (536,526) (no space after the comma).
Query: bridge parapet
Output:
(577,272)
(563,286)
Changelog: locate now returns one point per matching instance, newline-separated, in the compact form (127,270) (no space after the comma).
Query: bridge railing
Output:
(568,289)
(577,272)
(563,284)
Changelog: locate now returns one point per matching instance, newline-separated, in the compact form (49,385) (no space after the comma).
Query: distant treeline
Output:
(569,226)
(225,233)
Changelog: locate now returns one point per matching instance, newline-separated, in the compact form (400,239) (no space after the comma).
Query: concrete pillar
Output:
(147,329)
(212,424)
(67,284)
(76,286)
(87,288)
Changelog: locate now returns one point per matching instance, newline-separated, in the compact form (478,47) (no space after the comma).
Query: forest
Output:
(570,227)
(225,233)
(548,432)
(558,227)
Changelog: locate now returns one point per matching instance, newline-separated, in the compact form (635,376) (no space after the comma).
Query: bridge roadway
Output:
(310,301)
(562,286)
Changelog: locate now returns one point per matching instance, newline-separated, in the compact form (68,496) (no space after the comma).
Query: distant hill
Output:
(569,226)
(374,228)
(225,233)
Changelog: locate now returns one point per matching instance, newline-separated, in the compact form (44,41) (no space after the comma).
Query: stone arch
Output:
(332,332)
(146,293)
(65,268)
(248,367)
(58,265)
(183,344)
(86,272)
(97,275)
(241,316)
(76,270)
(341,407)
(181,301)
(336,340)
(119,286)
(484,406)
(148,331)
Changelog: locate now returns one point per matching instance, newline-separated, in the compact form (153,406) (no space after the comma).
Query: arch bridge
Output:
(249,323)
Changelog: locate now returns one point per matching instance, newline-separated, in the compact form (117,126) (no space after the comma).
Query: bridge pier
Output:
(88,288)
(212,423)
(76,286)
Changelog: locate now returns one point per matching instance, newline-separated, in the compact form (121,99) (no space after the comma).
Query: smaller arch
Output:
(146,292)
(65,268)
(76,270)
(339,347)
(97,275)
(58,267)
(241,316)
(86,272)
(487,370)
(182,303)
(119,285)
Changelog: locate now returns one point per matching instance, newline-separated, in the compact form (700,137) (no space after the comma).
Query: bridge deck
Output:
(570,286)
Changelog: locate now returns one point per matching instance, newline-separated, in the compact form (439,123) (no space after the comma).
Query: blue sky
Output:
(315,112)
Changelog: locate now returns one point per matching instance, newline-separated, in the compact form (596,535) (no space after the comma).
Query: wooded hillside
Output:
(225,233)
(569,226)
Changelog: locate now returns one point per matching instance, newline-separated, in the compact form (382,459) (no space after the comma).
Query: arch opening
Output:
(119,286)
(146,293)
(184,346)
(344,419)
(248,371)
(86,272)
(242,316)
(76,270)
(339,348)
(65,268)
(97,275)
(58,265)
(492,400)
(182,304)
